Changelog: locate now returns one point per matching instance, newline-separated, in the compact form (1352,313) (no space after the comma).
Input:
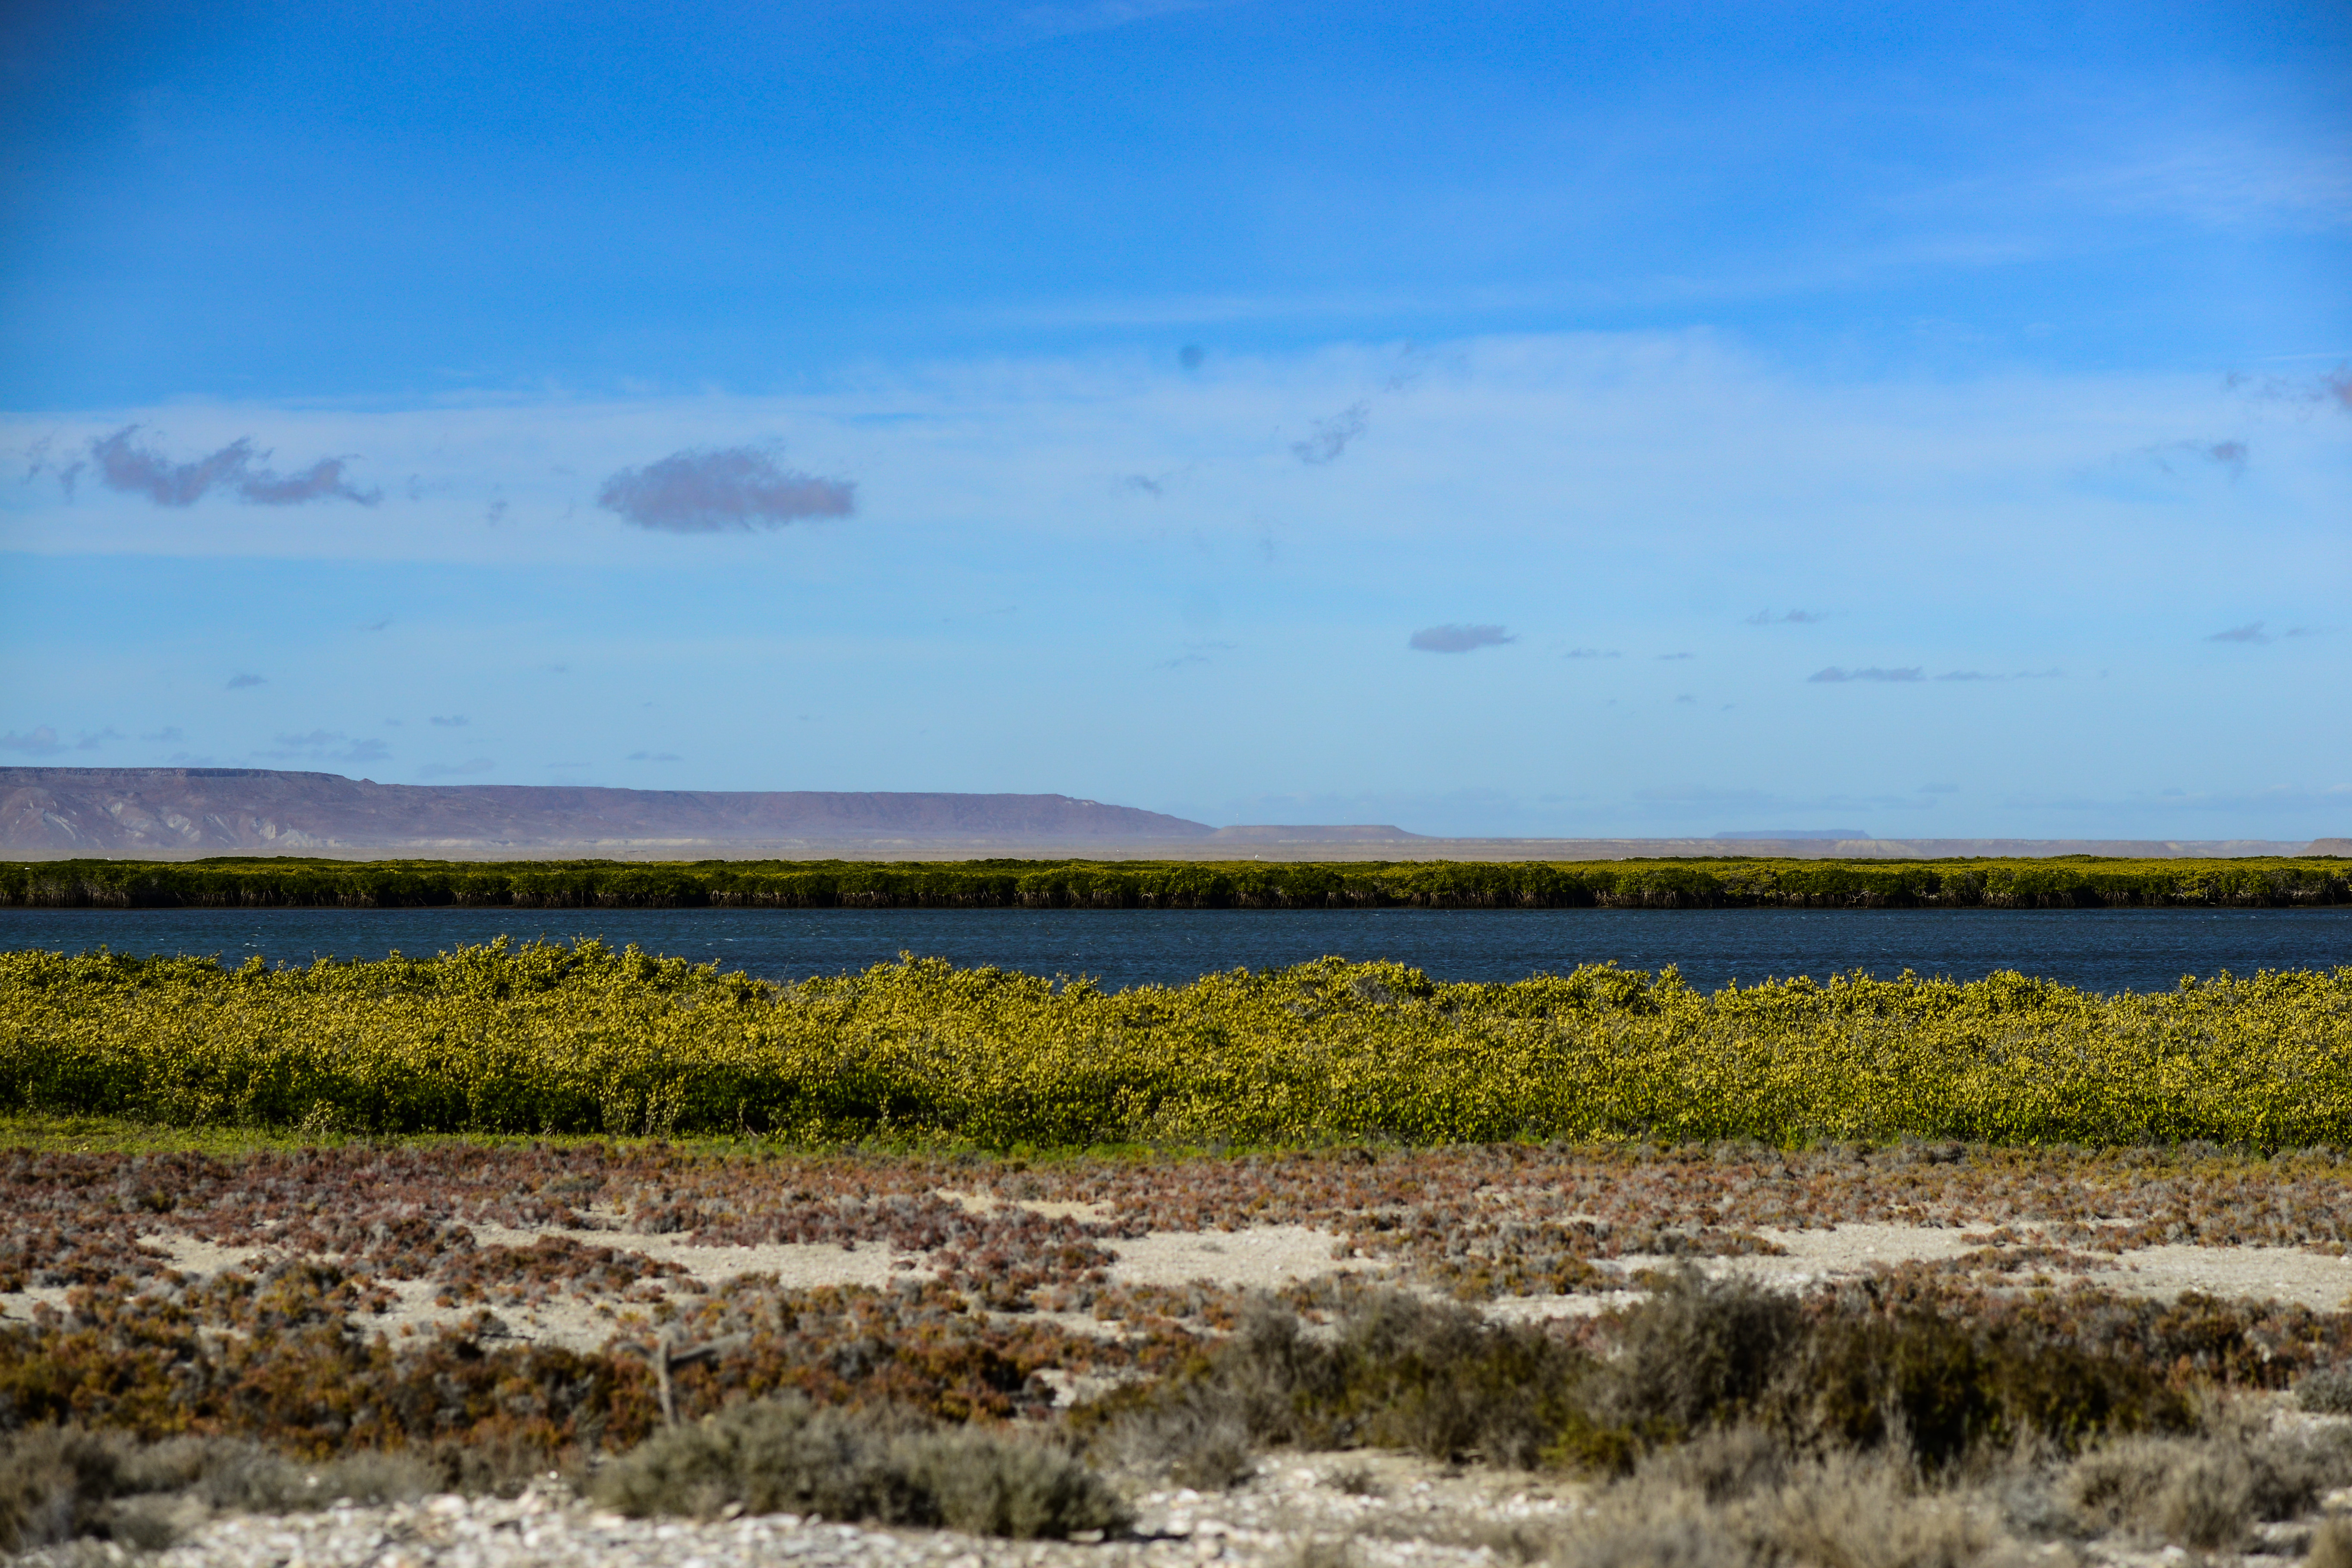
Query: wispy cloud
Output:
(655,757)
(1592,653)
(471,765)
(2228,455)
(1457,639)
(1036,24)
(1834,674)
(450,720)
(92,740)
(242,679)
(38,742)
(1993,675)
(2012,675)
(1330,436)
(324,746)
(1196,653)
(169,733)
(1675,657)
(2330,389)
(2252,633)
(121,463)
(1793,618)
(720,490)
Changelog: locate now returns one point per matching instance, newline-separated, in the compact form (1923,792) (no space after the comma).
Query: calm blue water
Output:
(2104,950)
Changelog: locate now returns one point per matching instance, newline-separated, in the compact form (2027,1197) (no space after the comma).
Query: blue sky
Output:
(1574,419)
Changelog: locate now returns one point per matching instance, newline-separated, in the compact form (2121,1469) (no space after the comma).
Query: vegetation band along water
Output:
(552,1039)
(2079,881)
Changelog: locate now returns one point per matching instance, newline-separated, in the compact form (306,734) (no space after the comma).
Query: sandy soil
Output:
(1270,1257)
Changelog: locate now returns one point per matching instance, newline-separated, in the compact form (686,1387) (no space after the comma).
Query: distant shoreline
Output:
(1719,881)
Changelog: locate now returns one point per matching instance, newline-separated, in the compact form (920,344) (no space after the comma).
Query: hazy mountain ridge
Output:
(179,813)
(86,811)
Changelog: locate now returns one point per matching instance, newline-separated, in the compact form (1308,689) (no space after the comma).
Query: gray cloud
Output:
(2252,632)
(456,770)
(121,464)
(92,740)
(655,757)
(1457,639)
(1833,675)
(1675,657)
(1330,436)
(324,746)
(39,742)
(715,489)
(2013,674)
(1793,618)
(169,733)
(1594,653)
(2329,387)
(450,720)
(2229,455)
(240,681)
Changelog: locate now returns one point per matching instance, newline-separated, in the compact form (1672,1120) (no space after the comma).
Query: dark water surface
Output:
(2102,950)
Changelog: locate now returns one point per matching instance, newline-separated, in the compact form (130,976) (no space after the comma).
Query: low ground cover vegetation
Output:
(1916,1414)
(548,1038)
(2071,881)
(1744,1426)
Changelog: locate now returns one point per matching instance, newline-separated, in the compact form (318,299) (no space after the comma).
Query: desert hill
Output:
(132,811)
(183,813)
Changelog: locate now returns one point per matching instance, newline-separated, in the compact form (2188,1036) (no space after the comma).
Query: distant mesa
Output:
(150,813)
(1794,834)
(140,811)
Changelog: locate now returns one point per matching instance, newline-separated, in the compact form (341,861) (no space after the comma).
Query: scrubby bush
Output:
(1697,1352)
(60,1483)
(1844,1511)
(1749,1378)
(2204,1492)
(785,1455)
(2327,1391)
(55,1483)
(1395,1370)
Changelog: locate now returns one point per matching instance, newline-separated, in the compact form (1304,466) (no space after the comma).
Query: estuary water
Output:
(2100,950)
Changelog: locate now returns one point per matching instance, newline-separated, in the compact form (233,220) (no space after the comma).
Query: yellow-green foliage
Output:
(548,1038)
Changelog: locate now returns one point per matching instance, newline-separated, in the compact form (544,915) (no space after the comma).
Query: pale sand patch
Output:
(193,1254)
(1850,1251)
(1268,1257)
(797,1265)
(1256,1259)
(19,1304)
(2286,1273)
